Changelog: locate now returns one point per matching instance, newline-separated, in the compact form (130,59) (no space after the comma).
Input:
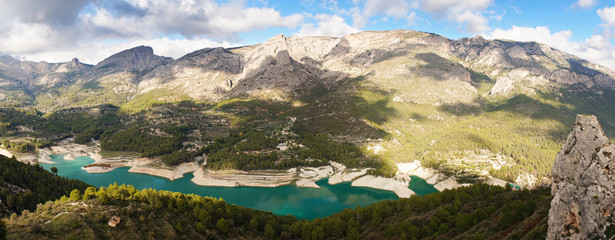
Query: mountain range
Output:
(470,107)
(292,66)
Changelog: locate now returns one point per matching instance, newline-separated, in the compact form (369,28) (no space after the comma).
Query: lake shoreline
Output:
(300,176)
(302,202)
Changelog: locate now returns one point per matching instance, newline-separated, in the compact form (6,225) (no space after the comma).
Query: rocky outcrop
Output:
(583,185)
(73,66)
(422,67)
(524,66)
(399,185)
(203,74)
(5,153)
(140,58)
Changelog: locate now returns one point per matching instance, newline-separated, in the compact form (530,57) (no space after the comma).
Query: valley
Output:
(471,109)
(328,123)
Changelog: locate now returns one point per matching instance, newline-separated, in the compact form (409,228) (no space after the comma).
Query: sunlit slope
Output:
(470,107)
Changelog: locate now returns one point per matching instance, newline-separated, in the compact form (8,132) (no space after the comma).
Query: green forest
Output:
(255,150)
(71,209)
(23,186)
(526,131)
(476,212)
(139,140)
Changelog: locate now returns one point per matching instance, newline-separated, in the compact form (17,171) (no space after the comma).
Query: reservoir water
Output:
(304,203)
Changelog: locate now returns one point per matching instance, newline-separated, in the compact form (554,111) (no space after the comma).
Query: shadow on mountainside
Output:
(91,85)
(374,56)
(284,74)
(321,105)
(341,112)
(438,68)
(546,106)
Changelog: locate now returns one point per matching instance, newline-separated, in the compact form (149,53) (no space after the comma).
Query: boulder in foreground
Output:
(583,185)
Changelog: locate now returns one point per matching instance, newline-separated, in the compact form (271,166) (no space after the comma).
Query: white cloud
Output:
(251,18)
(583,4)
(607,15)
(94,52)
(27,38)
(468,13)
(446,6)
(596,49)
(412,18)
(189,18)
(366,9)
(54,12)
(34,29)
(474,22)
(328,25)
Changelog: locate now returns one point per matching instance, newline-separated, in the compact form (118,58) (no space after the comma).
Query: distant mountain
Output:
(486,106)
(138,59)
(294,65)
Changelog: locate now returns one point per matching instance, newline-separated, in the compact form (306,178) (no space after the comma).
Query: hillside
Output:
(480,211)
(476,212)
(469,107)
(23,186)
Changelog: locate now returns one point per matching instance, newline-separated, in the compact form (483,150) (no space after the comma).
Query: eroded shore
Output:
(300,176)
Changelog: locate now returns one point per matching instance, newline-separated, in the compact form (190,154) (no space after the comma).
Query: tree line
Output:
(473,212)
(253,150)
(23,186)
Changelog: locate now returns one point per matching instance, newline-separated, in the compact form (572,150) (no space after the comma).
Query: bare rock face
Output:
(422,67)
(140,58)
(203,74)
(498,59)
(72,66)
(583,185)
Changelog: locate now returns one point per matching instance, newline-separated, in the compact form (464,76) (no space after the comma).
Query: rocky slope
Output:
(583,185)
(465,103)
(294,65)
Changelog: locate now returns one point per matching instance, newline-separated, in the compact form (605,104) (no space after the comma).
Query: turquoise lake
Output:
(304,203)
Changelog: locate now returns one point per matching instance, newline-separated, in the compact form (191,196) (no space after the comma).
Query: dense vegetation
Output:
(105,123)
(23,186)
(140,140)
(25,146)
(255,150)
(145,214)
(84,124)
(474,212)
(12,117)
(524,130)
(527,130)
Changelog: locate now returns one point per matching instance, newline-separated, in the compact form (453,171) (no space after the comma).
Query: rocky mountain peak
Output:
(135,59)
(73,66)
(279,37)
(583,184)
(139,51)
(8,60)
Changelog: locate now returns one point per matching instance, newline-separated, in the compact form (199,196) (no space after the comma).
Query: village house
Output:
(114,221)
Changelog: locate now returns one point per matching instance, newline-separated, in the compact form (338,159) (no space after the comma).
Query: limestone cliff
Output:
(583,185)
(417,67)
(137,59)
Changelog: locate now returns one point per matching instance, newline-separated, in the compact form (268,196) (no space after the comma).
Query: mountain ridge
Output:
(325,61)
(415,95)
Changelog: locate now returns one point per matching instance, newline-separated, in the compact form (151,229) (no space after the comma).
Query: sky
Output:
(59,30)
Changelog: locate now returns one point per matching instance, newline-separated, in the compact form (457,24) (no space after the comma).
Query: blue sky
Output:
(58,30)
